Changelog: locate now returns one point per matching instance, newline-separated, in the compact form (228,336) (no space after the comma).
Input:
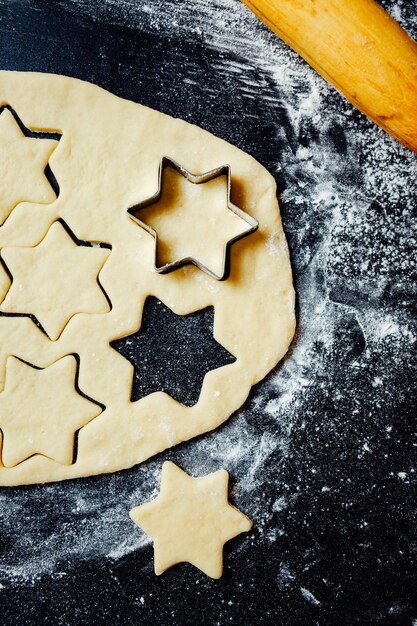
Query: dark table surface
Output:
(323,455)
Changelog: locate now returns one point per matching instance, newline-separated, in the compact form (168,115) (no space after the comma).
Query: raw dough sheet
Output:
(106,161)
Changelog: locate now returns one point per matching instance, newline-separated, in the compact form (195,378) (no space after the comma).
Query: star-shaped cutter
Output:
(223,170)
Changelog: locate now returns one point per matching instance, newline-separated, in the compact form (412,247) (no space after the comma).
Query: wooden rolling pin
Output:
(357,47)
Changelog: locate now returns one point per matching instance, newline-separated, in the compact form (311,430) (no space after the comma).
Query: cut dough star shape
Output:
(22,165)
(55,280)
(192,219)
(40,410)
(172,353)
(190,520)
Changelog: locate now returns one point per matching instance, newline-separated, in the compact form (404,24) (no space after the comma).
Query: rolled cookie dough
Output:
(107,161)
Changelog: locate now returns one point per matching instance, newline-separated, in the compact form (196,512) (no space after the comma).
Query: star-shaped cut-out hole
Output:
(172,353)
(193,219)
(25,174)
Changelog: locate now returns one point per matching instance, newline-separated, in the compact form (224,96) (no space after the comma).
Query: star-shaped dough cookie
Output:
(192,219)
(40,411)
(190,520)
(55,280)
(22,166)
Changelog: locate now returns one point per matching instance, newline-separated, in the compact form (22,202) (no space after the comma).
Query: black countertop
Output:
(323,454)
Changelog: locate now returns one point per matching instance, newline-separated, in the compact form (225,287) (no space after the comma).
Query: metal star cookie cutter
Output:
(223,170)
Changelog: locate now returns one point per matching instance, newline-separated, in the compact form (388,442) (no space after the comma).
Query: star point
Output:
(190,520)
(22,166)
(192,219)
(40,411)
(55,280)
